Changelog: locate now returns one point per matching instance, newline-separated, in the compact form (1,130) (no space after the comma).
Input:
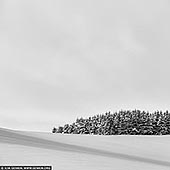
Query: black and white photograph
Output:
(84,84)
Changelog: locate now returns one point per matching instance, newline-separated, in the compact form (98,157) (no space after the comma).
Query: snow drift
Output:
(84,151)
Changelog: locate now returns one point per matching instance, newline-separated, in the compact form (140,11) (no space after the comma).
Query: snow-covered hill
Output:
(85,152)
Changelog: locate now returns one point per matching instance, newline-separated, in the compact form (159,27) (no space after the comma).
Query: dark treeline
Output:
(128,122)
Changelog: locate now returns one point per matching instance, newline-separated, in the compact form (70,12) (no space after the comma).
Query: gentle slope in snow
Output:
(84,151)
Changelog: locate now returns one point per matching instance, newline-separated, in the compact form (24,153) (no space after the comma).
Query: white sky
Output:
(63,59)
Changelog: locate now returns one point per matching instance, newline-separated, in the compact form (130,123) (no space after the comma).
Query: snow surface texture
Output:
(85,152)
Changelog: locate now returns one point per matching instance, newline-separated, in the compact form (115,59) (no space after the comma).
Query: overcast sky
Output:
(63,59)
